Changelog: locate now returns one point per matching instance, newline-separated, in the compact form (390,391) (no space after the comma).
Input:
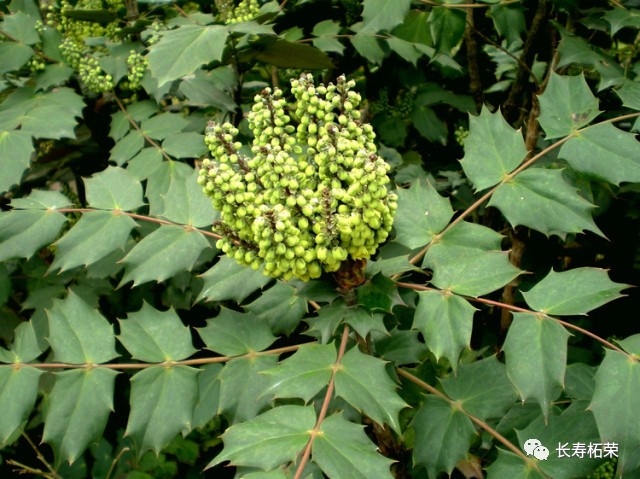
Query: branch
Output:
(325,404)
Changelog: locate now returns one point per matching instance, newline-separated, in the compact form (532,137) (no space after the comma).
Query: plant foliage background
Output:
(134,348)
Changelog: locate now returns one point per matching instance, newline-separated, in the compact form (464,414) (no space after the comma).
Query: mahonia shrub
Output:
(312,194)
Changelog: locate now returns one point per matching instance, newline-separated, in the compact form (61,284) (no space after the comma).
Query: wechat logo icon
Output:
(534,448)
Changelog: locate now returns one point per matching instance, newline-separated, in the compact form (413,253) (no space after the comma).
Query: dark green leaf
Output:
(579,381)
(21,28)
(399,347)
(445,321)
(363,382)
(271,439)
(604,152)
(232,333)
(536,357)
(343,450)
(162,402)
(25,346)
(383,15)
(17,397)
(468,260)
(543,200)
(404,49)
(364,321)
(78,333)
(165,252)
(93,237)
(16,149)
(328,320)
(629,93)
(229,280)
(492,150)
(243,386)
(114,189)
(304,374)
(13,56)
(510,466)
(576,291)
(422,213)
(368,46)
(78,409)
(181,51)
(127,147)
(566,105)
(447,28)
(429,125)
(443,436)
(482,388)
(155,336)
(284,54)
(208,395)
(620,18)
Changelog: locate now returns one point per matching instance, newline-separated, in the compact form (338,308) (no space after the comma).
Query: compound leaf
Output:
(304,374)
(162,403)
(342,449)
(566,105)
(229,280)
(445,321)
(232,333)
(571,292)
(541,199)
(422,213)
(491,150)
(605,152)
(114,189)
(483,388)
(536,358)
(165,252)
(467,260)
(363,382)
(268,440)
(78,409)
(155,336)
(78,333)
(443,436)
(96,235)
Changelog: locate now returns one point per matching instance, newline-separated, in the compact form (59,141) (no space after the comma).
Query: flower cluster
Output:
(245,11)
(313,192)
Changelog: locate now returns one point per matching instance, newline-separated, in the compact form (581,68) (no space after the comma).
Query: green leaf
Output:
(605,152)
(185,145)
(41,200)
(160,126)
(390,266)
(284,54)
(78,409)
(422,213)
(368,46)
(468,260)
(343,450)
(629,93)
(615,402)
(281,307)
(579,381)
(114,189)
(17,397)
(53,75)
(204,91)
(22,233)
(184,203)
(631,344)
(576,291)
(145,163)
(447,28)
(273,438)
(14,56)
(304,374)
(159,182)
(16,149)
(383,15)
(509,21)
(230,280)
(405,49)
(328,320)
(78,333)
(155,336)
(181,51)
(492,150)
(510,466)
(162,402)
(379,294)
(482,388)
(620,18)
(25,346)
(243,386)
(21,28)
(536,357)
(429,125)
(165,252)
(126,148)
(566,105)
(442,436)
(208,395)
(363,382)
(445,321)
(232,333)
(95,236)
(364,321)
(399,346)
(543,200)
